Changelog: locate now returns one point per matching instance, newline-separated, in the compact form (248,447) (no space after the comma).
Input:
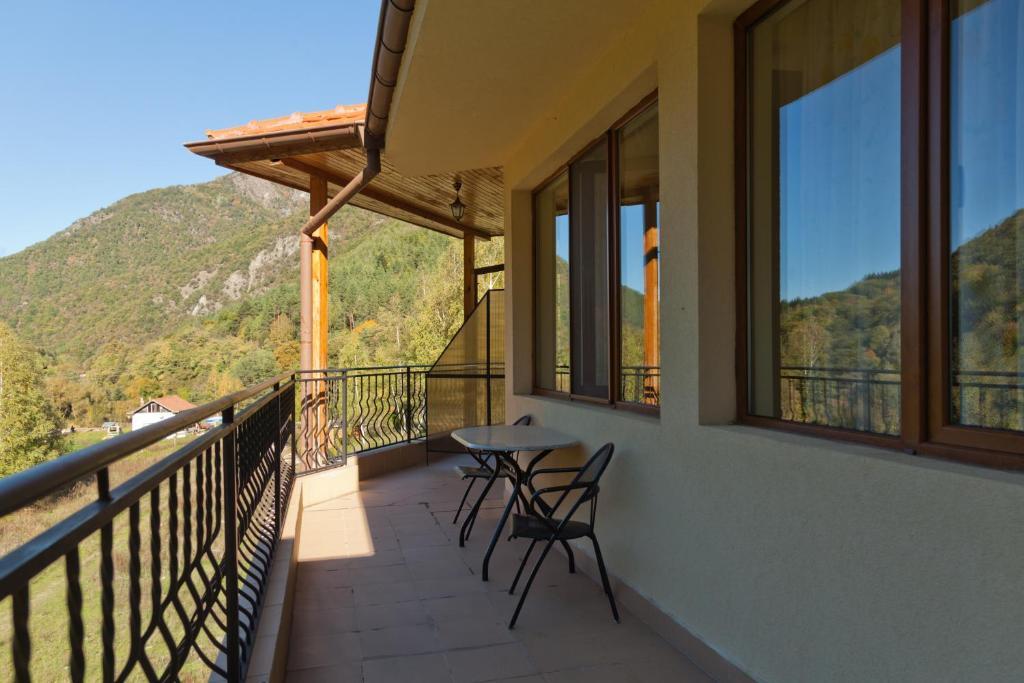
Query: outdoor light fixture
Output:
(458,208)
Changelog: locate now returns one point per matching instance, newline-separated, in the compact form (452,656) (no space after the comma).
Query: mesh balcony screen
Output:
(466,386)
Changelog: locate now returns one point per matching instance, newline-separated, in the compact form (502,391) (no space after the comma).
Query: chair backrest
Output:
(587,478)
(595,467)
(524,420)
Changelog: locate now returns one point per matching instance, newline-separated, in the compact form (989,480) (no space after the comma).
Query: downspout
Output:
(339,200)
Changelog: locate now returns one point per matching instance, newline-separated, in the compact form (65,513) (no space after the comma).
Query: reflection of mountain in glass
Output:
(837,346)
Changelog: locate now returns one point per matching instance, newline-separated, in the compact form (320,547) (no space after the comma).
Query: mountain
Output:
(193,290)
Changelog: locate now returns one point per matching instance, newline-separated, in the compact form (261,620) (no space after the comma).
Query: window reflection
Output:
(824,214)
(986,223)
(639,262)
(551,249)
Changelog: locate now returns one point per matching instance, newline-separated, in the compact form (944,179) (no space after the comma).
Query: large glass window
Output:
(551,285)
(639,260)
(823,221)
(986,214)
(597,270)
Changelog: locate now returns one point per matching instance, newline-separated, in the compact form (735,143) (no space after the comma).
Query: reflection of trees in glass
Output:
(987,303)
(833,347)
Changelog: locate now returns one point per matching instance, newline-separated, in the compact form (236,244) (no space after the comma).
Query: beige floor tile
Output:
(410,613)
(461,607)
(476,631)
(399,640)
(343,673)
(384,593)
(333,649)
(605,673)
(489,663)
(429,668)
(313,622)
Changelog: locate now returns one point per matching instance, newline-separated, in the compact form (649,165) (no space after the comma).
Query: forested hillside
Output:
(194,290)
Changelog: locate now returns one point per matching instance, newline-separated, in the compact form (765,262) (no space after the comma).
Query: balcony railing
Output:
(182,551)
(637,383)
(350,410)
(868,399)
(163,575)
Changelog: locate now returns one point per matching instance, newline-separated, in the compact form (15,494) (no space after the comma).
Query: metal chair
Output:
(541,524)
(483,470)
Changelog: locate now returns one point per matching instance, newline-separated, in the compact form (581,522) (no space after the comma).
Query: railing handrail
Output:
(401,366)
(26,487)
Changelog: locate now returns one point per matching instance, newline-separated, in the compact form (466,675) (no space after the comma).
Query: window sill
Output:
(962,455)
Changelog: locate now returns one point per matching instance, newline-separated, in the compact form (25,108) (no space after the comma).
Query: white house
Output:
(158,409)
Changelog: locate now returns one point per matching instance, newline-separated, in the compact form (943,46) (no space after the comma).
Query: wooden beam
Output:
(317,201)
(468,275)
(652,321)
(378,195)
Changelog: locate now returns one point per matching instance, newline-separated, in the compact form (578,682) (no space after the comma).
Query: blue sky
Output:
(839,147)
(96,98)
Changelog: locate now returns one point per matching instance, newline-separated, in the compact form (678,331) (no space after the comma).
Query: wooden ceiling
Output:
(319,144)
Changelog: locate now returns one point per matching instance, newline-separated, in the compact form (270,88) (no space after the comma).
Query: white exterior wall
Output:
(140,420)
(799,559)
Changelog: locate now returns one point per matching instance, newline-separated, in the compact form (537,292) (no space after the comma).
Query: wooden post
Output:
(317,201)
(468,274)
(652,323)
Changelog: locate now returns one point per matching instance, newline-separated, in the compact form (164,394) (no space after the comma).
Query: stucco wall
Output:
(798,559)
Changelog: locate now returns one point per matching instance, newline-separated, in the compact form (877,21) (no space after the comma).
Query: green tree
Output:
(29,423)
(255,366)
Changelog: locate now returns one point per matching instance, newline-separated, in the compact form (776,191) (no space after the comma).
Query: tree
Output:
(255,366)
(29,422)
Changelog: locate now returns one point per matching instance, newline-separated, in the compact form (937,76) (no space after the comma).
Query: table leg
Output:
(517,488)
(501,525)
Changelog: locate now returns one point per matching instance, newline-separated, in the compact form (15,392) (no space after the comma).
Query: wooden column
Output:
(468,274)
(317,201)
(652,322)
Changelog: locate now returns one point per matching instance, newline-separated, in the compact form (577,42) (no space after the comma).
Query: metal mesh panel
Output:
(466,386)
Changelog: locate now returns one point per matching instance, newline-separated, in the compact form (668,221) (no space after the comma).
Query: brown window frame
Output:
(924,236)
(610,139)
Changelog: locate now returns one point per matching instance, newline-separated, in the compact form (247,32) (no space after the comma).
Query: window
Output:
(880,223)
(597,270)
(986,215)
(639,262)
(824,217)
(551,284)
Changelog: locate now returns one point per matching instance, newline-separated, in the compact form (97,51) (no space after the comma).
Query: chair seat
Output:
(527,526)
(466,471)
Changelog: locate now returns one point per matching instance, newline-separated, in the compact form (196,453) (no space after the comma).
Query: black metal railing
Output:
(346,411)
(980,398)
(637,383)
(868,399)
(864,399)
(164,574)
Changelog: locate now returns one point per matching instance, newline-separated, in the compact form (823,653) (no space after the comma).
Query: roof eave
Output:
(279,145)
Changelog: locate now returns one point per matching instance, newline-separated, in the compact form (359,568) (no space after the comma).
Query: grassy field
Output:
(48,593)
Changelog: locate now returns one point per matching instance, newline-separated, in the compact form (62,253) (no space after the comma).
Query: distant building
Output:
(158,409)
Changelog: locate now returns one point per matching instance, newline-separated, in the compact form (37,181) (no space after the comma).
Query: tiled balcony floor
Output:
(385,594)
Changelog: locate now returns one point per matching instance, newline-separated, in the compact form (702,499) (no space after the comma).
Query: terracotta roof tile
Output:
(174,403)
(340,115)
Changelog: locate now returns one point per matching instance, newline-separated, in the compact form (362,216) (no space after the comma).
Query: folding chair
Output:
(540,522)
